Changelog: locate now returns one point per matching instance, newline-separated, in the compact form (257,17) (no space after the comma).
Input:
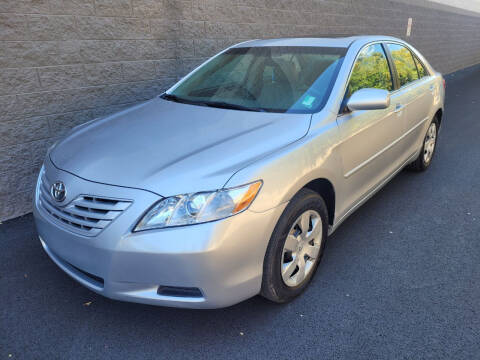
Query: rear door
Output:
(370,138)
(416,92)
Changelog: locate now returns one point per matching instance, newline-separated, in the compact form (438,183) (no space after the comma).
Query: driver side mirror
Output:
(369,99)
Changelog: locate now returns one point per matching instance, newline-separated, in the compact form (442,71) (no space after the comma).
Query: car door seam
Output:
(370,159)
(364,198)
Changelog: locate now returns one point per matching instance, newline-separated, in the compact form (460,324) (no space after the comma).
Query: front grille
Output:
(86,215)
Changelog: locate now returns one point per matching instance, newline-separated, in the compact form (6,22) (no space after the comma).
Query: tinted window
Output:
(278,79)
(421,69)
(371,70)
(404,63)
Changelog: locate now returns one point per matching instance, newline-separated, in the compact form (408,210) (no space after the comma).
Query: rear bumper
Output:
(222,259)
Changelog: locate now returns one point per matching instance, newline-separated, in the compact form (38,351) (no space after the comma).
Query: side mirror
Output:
(369,99)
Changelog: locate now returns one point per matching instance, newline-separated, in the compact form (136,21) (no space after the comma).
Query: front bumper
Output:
(222,259)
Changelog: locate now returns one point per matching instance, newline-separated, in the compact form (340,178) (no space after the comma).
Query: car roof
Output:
(342,42)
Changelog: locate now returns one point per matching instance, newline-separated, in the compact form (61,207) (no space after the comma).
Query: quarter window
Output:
(404,63)
(421,69)
(371,70)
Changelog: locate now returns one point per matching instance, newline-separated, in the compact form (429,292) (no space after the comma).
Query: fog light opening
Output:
(177,291)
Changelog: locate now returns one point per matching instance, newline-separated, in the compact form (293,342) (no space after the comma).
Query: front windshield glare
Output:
(272,79)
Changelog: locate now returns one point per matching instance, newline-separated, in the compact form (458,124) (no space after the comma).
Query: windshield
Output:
(273,79)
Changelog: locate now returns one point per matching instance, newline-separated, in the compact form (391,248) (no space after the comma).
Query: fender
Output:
(289,169)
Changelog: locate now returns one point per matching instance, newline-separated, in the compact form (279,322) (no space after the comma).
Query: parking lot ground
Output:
(400,279)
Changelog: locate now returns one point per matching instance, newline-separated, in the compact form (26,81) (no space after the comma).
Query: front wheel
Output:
(295,248)
(424,159)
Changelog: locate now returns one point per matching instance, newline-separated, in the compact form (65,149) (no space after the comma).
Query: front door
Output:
(371,145)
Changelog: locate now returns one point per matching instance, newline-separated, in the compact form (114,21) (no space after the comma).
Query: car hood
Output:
(171,148)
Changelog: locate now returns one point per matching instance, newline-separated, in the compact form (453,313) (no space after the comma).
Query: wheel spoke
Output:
(312,251)
(288,269)
(305,223)
(316,231)
(300,275)
(291,243)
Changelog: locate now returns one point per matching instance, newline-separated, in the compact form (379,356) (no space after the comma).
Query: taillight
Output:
(444,84)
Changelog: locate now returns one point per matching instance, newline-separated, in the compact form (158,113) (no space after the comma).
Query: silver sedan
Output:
(227,185)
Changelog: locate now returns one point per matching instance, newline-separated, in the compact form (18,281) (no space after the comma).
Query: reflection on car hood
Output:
(171,148)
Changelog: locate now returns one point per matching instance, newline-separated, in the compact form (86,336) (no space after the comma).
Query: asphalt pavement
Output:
(400,279)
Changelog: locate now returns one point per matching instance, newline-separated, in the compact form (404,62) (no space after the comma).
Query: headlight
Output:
(199,207)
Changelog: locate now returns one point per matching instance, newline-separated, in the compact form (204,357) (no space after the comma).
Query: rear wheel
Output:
(295,248)
(424,159)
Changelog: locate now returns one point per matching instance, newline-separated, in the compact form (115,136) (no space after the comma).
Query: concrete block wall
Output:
(64,62)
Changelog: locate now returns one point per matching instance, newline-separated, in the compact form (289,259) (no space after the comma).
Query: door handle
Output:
(399,107)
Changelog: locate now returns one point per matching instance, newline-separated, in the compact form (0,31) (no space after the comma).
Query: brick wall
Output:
(63,62)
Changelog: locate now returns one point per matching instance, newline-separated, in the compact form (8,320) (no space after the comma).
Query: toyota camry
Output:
(228,184)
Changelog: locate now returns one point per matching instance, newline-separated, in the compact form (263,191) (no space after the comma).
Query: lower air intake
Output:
(179,291)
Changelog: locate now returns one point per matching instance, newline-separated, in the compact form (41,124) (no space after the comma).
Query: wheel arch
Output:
(326,190)
(439,116)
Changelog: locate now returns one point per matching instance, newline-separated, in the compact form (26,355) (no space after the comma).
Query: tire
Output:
(306,204)
(424,159)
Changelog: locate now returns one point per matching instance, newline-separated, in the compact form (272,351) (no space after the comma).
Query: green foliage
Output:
(371,71)
(406,69)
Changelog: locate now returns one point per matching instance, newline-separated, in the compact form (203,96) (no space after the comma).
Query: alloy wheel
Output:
(302,248)
(429,144)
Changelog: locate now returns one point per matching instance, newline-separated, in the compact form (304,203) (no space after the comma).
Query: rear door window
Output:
(404,63)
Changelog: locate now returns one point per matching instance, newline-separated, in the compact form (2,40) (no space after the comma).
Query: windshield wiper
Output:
(216,104)
(174,98)
(225,105)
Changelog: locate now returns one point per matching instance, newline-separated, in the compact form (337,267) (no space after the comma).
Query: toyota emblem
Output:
(58,191)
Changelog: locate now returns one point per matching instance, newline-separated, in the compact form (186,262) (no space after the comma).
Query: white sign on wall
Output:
(409,26)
